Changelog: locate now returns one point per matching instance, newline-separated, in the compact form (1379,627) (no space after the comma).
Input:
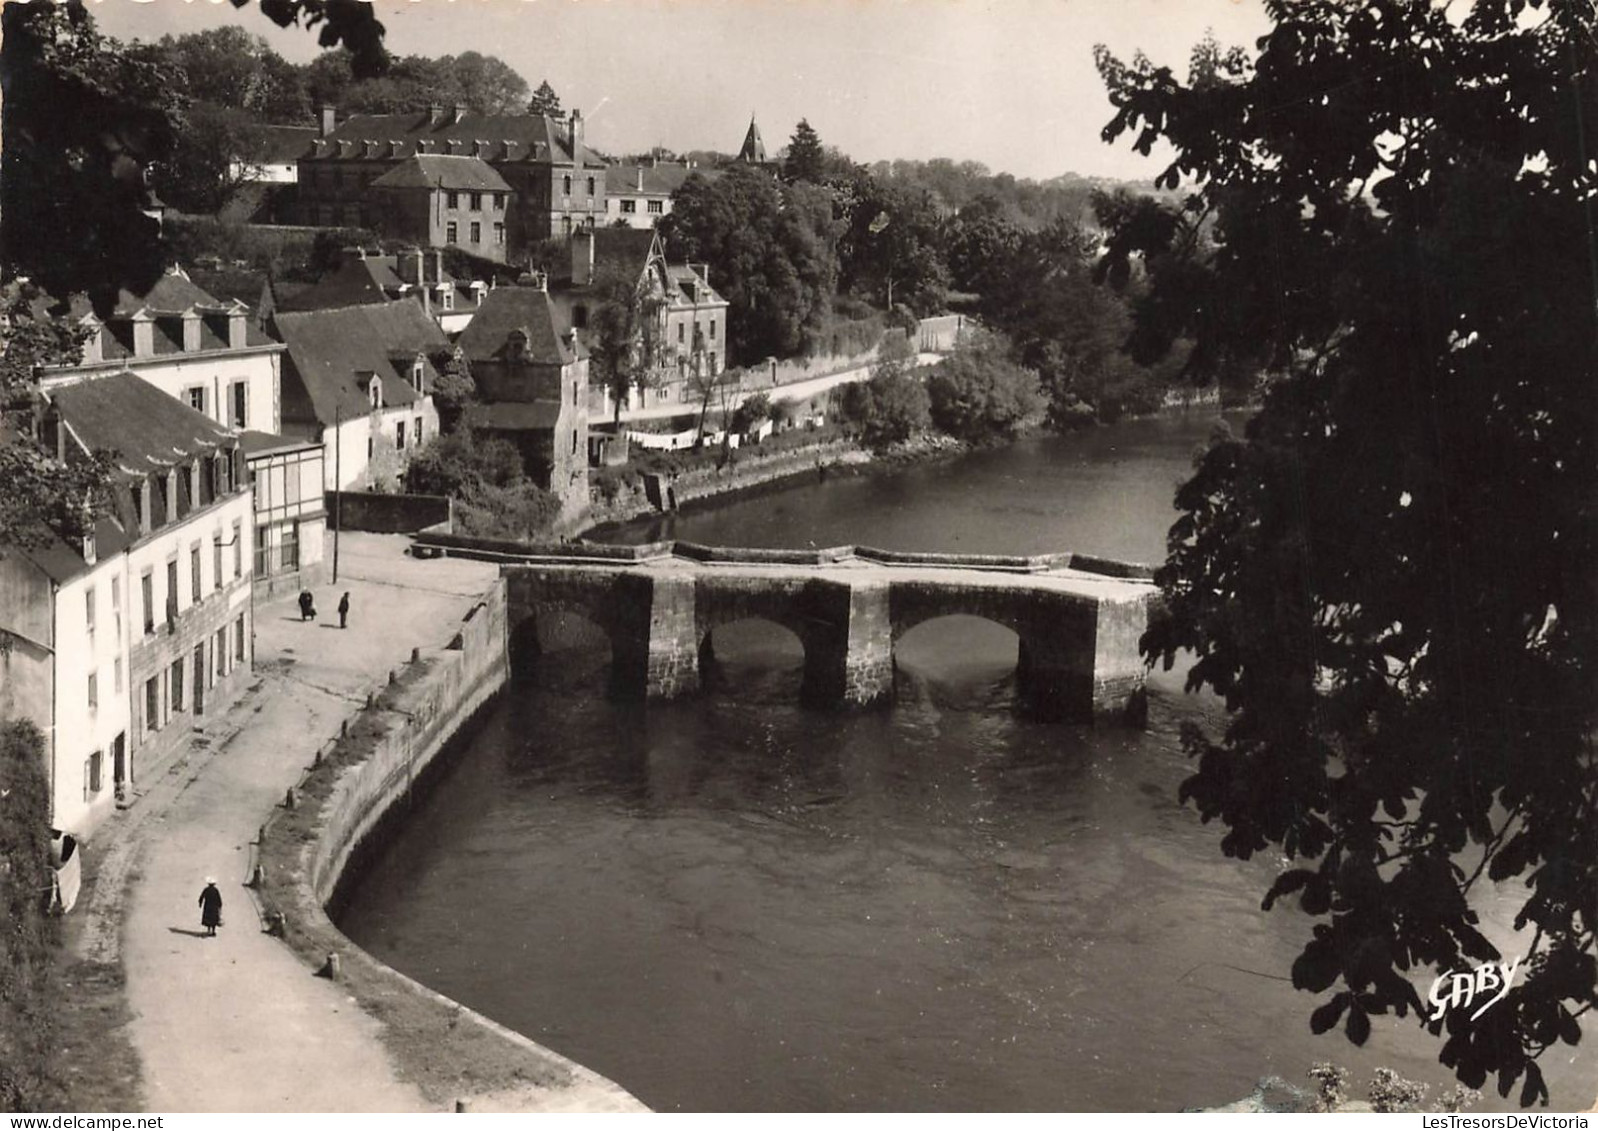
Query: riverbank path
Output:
(237,1022)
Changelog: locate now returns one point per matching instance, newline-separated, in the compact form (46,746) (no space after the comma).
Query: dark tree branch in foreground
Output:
(1389,580)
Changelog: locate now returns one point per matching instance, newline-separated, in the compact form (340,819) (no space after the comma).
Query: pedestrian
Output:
(344,611)
(210,907)
(307,605)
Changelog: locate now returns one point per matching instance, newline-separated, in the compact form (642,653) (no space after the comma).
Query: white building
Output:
(117,641)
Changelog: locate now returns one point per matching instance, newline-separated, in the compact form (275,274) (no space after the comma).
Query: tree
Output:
(545,101)
(806,160)
(624,337)
(753,411)
(979,393)
(893,405)
(42,493)
(1400,197)
(889,248)
(771,255)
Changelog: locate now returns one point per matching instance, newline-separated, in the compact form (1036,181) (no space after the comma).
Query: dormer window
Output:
(446,297)
(374,392)
(416,373)
(516,344)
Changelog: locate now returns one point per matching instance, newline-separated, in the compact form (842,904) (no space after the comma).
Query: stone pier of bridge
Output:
(1078,627)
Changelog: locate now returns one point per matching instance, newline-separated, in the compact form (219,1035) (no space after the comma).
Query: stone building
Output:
(361,278)
(531,373)
(441,201)
(640,196)
(359,381)
(119,640)
(556,183)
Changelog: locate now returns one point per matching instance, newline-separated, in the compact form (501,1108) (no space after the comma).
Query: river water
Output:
(731,903)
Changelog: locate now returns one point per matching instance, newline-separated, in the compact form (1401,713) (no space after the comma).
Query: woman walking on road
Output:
(343,610)
(210,907)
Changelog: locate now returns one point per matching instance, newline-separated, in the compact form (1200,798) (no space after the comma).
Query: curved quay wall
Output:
(344,803)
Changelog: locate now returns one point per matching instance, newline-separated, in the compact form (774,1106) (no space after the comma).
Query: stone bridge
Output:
(1078,618)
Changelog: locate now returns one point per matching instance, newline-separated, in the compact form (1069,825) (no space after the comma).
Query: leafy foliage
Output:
(28,985)
(624,337)
(805,160)
(545,101)
(891,407)
(771,255)
(485,476)
(1399,201)
(978,393)
(890,246)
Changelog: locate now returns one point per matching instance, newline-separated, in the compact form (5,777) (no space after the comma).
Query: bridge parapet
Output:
(1078,656)
(582,552)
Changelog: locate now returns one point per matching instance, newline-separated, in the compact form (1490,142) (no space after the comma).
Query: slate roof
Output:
(622,253)
(326,348)
(754,148)
(263,443)
(148,429)
(537,138)
(437,170)
(360,282)
(54,556)
(281,145)
(507,309)
(172,294)
(663,179)
(689,287)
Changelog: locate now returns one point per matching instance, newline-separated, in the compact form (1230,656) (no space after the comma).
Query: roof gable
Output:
(532,137)
(326,348)
(148,429)
(508,310)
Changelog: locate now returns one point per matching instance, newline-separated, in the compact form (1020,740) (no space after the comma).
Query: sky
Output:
(1009,83)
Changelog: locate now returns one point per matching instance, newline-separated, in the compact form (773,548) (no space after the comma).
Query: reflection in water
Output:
(730,903)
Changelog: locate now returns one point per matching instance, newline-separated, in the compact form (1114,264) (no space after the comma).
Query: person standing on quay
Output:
(343,610)
(210,907)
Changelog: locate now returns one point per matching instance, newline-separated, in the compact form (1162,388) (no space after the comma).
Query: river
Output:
(731,903)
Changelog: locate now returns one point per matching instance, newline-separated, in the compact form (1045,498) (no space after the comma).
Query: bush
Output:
(28,985)
(520,511)
(978,393)
(455,463)
(752,413)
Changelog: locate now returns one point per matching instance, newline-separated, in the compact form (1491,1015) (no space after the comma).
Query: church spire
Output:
(754,149)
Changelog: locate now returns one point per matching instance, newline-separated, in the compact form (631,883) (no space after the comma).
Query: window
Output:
(194,568)
(574,441)
(656,207)
(238,550)
(452,232)
(260,552)
(679,333)
(116,676)
(177,685)
(629,206)
(91,775)
(219,668)
(446,297)
(566,185)
(94,692)
(452,200)
(499,239)
(574,392)
(590,186)
(152,704)
(147,584)
(172,589)
(416,373)
(216,559)
(116,607)
(418,423)
(88,610)
(477,202)
(477,232)
(371,448)
(238,639)
(241,401)
(399,435)
(712,329)
(499,202)
(290,553)
(195,398)
(374,391)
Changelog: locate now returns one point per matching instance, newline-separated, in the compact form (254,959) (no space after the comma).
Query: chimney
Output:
(460,111)
(438,266)
(640,178)
(410,265)
(94,344)
(328,116)
(237,325)
(191,330)
(435,113)
(574,131)
(143,333)
(478,145)
(582,258)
